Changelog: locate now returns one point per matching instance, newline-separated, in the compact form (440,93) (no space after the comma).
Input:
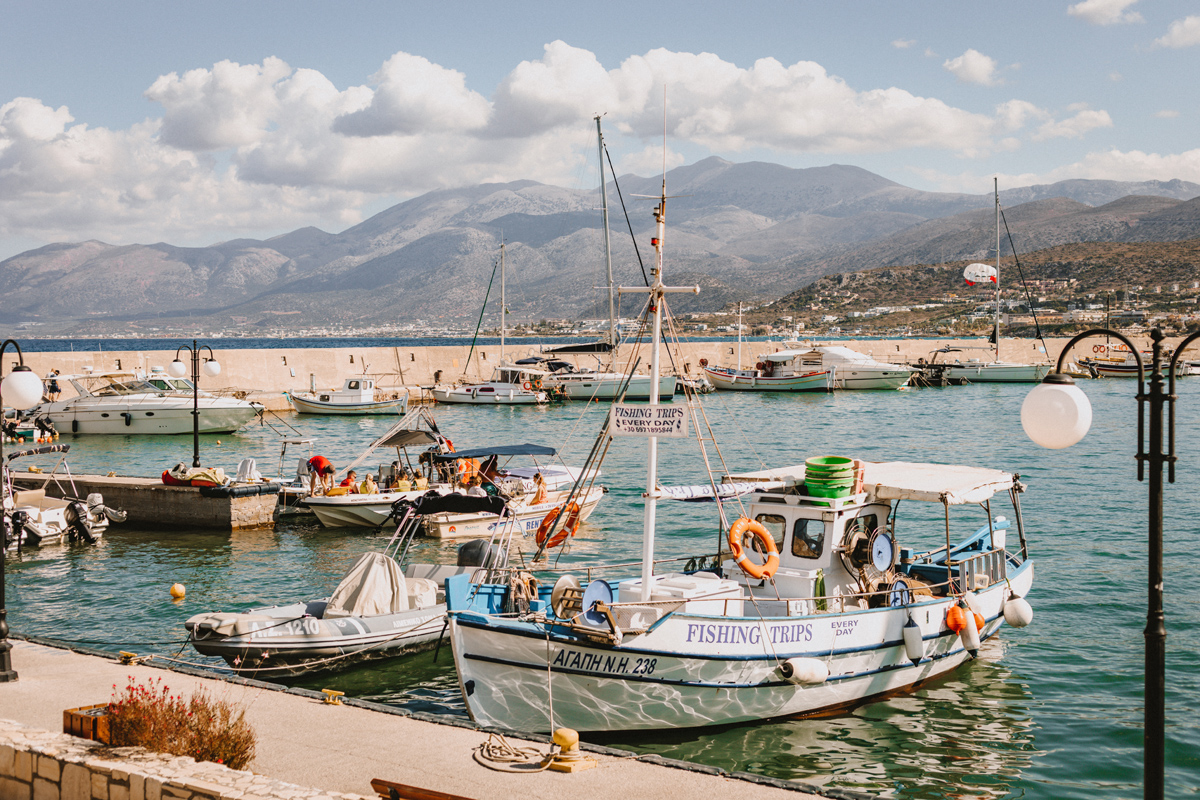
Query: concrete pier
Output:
(152,504)
(264,375)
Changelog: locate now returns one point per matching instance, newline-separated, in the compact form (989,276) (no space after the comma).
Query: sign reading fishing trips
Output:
(640,420)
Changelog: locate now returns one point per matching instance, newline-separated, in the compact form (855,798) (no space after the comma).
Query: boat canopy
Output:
(703,493)
(935,483)
(39,451)
(408,438)
(587,347)
(499,450)
(784,355)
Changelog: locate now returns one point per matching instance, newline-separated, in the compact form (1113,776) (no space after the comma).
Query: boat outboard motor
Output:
(77,522)
(98,510)
(20,529)
(8,535)
(478,553)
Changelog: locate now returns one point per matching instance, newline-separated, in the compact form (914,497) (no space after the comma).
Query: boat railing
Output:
(982,570)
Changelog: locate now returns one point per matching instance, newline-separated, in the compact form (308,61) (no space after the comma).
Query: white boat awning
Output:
(704,492)
(934,483)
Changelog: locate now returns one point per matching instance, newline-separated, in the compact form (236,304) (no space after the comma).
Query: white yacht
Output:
(854,370)
(125,403)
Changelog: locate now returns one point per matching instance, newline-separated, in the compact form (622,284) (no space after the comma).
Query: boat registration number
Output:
(597,662)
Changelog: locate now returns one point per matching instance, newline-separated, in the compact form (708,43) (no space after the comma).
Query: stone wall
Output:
(38,765)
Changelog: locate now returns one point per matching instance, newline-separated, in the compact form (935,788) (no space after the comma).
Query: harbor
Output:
(1013,715)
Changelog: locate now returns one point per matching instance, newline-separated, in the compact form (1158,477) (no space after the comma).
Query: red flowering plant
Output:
(202,727)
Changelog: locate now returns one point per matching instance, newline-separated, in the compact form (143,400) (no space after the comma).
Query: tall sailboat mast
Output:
(503,304)
(996,328)
(612,312)
(739,364)
(656,298)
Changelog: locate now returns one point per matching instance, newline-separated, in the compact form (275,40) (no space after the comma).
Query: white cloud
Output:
(973,67)
(1109,165)
(415,96)
(1105,12)
(1181,33)
(650,161)
(903,44)
(1167,113)
(1073,127)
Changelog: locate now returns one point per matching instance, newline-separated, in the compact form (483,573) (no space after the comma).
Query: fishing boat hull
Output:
(489,395)
(527,518)
(312,405)
(743,381)
(696,670)
(607,386)
(997,372)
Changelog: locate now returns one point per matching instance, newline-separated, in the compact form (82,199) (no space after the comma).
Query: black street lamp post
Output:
(1056,414)
(21,389)
(176,369)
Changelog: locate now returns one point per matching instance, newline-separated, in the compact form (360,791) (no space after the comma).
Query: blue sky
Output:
(195,123)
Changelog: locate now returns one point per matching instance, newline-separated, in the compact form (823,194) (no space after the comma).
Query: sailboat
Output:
(511,384)
(589,385)
(819,609)
(995,371)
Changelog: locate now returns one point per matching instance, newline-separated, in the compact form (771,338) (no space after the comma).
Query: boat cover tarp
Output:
(408,438)
(499,450)
(704,493)
(935,483)
(434,503)
(588,347)
(373,586)
(39,451)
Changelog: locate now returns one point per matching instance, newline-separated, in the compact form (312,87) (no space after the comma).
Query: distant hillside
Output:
(751,231)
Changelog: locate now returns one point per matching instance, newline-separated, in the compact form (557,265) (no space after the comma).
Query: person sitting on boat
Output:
(350,482)
(421,482)
(477,489)
(539,496)
(368,485)
(403,482)
(320,472)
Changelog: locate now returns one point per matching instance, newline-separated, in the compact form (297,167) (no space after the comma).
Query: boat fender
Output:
(74,426)
(1017,612)
(972,602)
(956,618)
(128,418)
(914,642)
(759,571)
(970,635)
(804,671)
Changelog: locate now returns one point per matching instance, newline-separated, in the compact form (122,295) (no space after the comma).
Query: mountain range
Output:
(743,231)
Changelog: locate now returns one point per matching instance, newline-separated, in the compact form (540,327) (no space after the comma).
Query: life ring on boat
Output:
(704,362)
(527,386)
(736,531)
(760,365)
(570,525)
(537,384)
(1098,348)
(449,445)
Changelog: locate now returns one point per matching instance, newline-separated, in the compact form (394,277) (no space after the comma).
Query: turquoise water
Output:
(1053,710)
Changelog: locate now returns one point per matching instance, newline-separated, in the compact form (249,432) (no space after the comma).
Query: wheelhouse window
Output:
(775,525)
(808,538)
(866,525)
(353,384)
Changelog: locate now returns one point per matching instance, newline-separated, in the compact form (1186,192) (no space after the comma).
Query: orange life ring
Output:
(570,525)
(736,531)
(704,362)
(1098,348)
(527,386)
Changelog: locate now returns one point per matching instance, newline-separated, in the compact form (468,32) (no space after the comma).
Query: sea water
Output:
(1052,710)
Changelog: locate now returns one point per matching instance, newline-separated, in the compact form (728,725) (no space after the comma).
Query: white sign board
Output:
(641,420)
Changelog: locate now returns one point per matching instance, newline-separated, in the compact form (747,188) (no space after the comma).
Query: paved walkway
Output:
(341,748)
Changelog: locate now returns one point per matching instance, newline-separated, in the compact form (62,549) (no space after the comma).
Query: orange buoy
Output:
(956,618)
(979,622)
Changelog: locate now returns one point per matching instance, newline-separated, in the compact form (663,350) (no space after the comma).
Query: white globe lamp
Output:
(211,368)
(1056,414)
(176,369)
(22,388)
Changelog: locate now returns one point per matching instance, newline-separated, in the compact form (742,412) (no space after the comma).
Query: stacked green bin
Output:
(829,476)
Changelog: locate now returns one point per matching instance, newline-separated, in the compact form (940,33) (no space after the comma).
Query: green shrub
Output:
(201,727)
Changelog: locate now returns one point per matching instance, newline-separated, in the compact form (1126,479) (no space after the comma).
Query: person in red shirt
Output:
(320,471)
(350,482)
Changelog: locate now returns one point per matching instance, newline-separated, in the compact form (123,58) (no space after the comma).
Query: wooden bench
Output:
(399,791)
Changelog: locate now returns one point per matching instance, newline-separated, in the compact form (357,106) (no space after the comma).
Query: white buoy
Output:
(1017,612)
(804,671)
(914,642)
(970,636)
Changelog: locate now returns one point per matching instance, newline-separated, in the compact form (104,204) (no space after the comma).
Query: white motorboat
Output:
(852,369)
(34,519)
(783,371)
(123,403)
(511,384)
(379,609)
(819,610)
(358,396)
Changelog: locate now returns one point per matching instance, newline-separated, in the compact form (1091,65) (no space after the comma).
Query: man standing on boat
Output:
(320,471)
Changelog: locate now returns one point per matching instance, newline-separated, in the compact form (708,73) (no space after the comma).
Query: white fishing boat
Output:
(511,385)
(382,607)
(821,609)
(851,369)
(994,371)
(783,371)
(32,518)
(123,403)
(357,397)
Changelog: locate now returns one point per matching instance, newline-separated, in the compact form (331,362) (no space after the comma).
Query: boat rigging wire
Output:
(1037,329)
(624,210)
(479,324)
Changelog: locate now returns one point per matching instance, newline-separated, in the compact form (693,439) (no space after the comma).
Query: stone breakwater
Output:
(265,374)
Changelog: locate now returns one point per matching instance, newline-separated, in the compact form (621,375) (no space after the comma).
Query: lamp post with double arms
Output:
(177,369)
(22,389)
(1057,414)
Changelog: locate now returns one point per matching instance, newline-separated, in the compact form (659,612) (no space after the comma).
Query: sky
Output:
(195,123)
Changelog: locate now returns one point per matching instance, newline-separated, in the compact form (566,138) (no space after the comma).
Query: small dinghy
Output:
(33,518)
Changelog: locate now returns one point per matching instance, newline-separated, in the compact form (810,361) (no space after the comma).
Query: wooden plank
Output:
(400,791)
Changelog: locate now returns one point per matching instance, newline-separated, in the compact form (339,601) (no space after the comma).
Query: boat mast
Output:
(739,366)
(612,312)
(996,329)
(656,298)
(503,304)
